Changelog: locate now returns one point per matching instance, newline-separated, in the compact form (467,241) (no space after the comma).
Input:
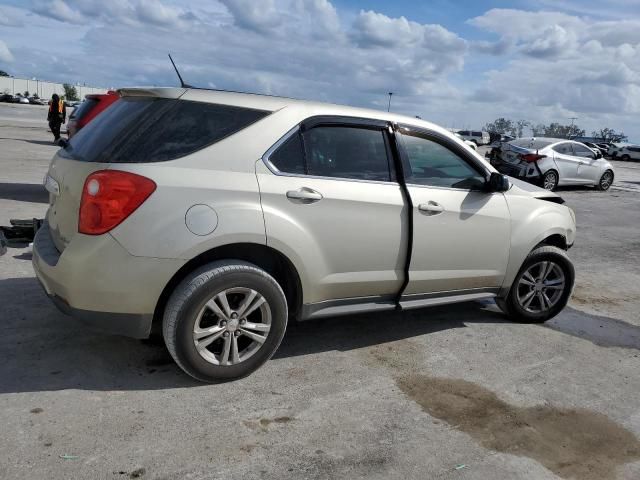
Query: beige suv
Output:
(219,216)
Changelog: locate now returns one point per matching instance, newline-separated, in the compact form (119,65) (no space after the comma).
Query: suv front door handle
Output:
(431,208)
(305,195)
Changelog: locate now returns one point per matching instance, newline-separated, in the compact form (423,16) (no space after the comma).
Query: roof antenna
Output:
(182,84)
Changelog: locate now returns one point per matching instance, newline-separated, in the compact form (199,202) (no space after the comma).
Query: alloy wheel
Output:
(606,180)
(232,326)
(550,181)
(540,287)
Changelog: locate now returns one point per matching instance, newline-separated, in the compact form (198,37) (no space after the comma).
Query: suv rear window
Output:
(85,107)
(144,130)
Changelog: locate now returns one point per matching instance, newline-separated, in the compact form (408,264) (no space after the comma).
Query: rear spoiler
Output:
(152,92)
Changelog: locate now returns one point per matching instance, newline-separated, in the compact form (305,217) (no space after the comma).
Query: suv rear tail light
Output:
(531,157)
(109,197)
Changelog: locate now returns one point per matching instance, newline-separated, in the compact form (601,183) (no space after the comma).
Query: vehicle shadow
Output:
(44,350)
(24,192)
(48,143)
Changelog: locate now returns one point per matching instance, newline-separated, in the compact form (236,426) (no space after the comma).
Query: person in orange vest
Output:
(57,116)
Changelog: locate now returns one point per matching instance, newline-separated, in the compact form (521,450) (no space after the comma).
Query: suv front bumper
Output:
(96,281)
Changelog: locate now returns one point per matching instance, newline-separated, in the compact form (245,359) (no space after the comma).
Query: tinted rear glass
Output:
(84,108)
(142,130)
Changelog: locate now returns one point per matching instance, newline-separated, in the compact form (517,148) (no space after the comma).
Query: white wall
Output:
(43,89)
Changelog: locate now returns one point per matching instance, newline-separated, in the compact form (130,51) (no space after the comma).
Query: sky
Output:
(456,63)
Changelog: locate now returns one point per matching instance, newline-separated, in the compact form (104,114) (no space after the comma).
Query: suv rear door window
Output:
(142,130)
(347,152)
(289,157)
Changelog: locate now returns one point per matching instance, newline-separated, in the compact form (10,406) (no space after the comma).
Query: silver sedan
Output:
(553,162)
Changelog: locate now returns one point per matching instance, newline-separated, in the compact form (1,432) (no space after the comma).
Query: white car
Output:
(553,162)
(471,144)
(475,136)
(628,152)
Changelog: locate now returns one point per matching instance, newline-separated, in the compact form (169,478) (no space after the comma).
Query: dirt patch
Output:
(263,423)
(572,443)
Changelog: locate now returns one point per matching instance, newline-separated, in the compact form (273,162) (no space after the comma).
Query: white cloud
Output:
(5,53)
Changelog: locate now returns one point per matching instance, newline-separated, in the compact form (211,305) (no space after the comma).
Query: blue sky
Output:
(457,63)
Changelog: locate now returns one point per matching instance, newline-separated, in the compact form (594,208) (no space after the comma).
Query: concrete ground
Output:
(441,393)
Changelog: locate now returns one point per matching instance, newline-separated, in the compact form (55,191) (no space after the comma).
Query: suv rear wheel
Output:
(225,320)
(542,287)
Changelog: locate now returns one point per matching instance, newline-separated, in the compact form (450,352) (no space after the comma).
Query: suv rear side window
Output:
(347,152)
(335,151)
(144,130)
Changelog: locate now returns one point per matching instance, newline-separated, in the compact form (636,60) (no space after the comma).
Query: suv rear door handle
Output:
(305,195)
(431,208)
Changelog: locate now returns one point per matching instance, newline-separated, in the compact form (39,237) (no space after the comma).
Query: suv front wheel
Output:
(542,287)
(225,320)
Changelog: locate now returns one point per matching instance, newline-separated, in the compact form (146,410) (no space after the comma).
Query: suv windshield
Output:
(144,129)
(84,108)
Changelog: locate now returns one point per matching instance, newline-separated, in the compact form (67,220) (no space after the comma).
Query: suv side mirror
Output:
(498,182)
(598,155)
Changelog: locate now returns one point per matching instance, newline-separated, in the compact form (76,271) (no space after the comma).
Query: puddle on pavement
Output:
(603,331)
(572,443)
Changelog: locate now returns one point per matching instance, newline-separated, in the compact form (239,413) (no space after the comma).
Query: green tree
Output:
(537,129)
(609,135)
(557,130)
(70,92)
(26,93)
(501,125)
(3,74)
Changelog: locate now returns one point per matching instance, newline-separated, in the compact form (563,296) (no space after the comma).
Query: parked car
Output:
(20,99)
(479,138)
(6,97)
(467,142)
(596,147)
(36,101)
(629,152)
(501,139)
(614,148)
(552,162)
(221,216)
(91,106)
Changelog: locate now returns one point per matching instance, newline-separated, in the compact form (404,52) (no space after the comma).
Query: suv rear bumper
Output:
(96,281)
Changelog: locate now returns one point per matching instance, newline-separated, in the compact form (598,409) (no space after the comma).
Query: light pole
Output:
(571,128)
(389,105)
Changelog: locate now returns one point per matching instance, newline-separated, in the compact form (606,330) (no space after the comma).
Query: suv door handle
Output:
(431,208)
(305,195)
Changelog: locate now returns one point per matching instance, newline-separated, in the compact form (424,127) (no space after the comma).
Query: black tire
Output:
(550,178)
(511,306)
(605,182)
(625,158)
(189,299)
